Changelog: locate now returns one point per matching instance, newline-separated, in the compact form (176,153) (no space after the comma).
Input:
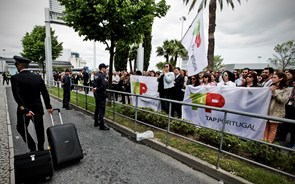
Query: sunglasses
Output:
(225,75)
(193,78)
(205,77)
(167,66)
(249,76)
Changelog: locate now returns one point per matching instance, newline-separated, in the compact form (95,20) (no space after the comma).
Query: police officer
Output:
(66,84)
(100,94)
(26,89)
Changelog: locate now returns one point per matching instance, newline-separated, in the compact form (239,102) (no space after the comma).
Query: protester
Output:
(280,96)
(193,81)
(227,79)
(177,92)
(267,77)
(165,86)
(207,80)
(26,89)
(290,109)
(86,80)
(251,80)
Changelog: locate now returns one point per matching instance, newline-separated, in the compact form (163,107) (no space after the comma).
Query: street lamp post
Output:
(259,57)
(2,70)
(182,20)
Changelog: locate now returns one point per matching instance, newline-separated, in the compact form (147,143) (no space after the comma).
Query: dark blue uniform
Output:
(67,91)
(26,89)
(100,95)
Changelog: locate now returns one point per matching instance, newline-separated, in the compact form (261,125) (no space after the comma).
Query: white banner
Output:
(194,42)
(254,100)
(145,86)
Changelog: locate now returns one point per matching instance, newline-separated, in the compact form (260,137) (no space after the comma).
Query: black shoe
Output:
(96,124)
(69,108)
(104,128)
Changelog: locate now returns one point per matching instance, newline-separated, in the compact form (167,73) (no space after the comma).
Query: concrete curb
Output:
(187,159)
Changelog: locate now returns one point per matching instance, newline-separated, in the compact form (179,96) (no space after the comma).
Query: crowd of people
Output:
(172,82)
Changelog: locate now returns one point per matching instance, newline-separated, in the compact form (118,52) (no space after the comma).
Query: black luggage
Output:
(33,167)
(64,143)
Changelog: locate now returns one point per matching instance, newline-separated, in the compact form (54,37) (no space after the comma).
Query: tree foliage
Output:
(285,55)
(218,63)
(34,46)
(171,49)
(212,23)
(133,56)
(112,21)
(160,65)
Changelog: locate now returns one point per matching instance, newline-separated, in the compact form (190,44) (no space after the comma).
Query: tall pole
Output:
(2,69)
(182,21)
(48,48)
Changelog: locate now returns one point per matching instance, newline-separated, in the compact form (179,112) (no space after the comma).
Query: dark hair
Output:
(177,68)
(246,69)
(208,75)
(197,83)
(184,72)
(152,71)
(255,79)
(231,76)
(283,82)
(138,72)
(270,69)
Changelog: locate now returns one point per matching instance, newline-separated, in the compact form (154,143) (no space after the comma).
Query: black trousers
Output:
(66,97)
(39,128)
(100,107)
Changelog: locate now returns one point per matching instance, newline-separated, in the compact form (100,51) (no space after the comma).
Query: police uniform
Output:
(100,84)
(67,91)
(26,89)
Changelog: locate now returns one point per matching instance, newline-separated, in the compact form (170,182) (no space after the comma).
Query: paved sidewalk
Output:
(4,146)
(110,157)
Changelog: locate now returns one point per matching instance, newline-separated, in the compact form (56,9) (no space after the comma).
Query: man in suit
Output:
(26,89)
(177,92)
(100,94)
(67,90)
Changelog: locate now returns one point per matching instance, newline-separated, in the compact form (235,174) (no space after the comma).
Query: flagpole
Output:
(189,26)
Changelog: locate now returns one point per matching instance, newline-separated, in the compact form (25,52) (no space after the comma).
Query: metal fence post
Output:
(86,101)
(221,140)
(136,109)
(58,93)
(76,94)
(168,128)
(114,107)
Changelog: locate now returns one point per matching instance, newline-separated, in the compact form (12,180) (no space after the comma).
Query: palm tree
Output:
(166,50)
(171,49)
(178,50)
(212,24)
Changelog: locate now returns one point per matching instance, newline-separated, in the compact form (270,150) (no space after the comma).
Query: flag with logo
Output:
(194,42)
(145,86)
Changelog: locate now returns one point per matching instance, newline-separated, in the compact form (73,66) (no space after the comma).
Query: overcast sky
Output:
(250,31)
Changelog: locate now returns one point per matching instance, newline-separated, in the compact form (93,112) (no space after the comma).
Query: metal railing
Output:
(169,116)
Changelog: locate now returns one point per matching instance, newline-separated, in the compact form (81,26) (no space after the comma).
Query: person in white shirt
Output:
(115,82)
(227,79)
(207,80)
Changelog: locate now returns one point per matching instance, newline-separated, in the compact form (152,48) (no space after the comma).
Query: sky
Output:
(247,34)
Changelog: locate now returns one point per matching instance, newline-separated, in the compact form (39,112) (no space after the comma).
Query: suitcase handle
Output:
(61,122)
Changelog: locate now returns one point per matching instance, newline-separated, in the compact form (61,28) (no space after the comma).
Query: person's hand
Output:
(273,88)
(30,114)
(50,111)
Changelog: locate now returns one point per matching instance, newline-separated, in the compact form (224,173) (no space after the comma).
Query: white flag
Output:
(194,42)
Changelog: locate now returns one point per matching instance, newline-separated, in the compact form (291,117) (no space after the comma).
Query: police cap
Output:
(102,65)
(19,59)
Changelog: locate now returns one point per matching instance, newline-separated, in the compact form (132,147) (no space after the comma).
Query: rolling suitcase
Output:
(64,143)
(33,166)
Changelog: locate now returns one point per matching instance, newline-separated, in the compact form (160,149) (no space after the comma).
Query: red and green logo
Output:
(210,99)
(139,88)
(197,34)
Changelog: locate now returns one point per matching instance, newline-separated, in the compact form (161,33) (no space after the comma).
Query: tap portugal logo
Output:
(210,99)
(197,34)
(139,88)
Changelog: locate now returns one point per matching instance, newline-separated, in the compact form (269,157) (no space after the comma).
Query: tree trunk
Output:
(135,65)
(130,65)
(211,39)
(111,62)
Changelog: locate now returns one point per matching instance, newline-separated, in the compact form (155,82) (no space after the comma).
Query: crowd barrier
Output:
(79,90)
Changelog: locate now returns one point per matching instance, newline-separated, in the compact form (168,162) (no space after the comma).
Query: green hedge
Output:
(262,153)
